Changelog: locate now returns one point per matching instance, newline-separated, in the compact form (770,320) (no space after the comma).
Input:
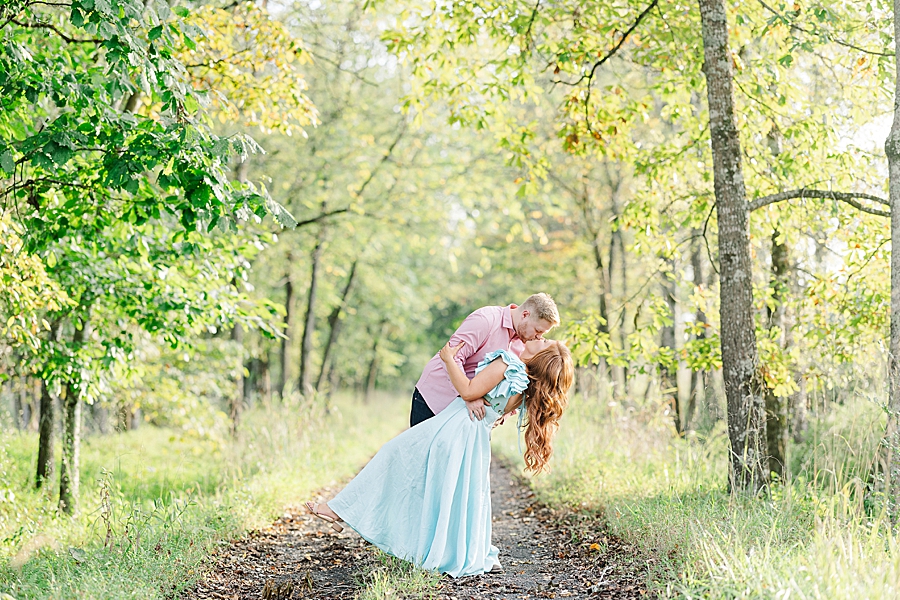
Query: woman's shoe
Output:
(313,508)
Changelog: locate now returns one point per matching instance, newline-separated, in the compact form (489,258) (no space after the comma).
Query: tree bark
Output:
(100,416)
(583,198)
(776,407)
(46,420)
(373,365)
(740,360)
(892,150)
(698,378)
(45,438)
(236,405)
(334,325)
(288,329)
(309,322)
(18,397)
(71,438)
(237,333)
(669,378)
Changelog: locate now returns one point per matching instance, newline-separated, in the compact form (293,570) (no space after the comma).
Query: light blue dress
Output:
(426,496)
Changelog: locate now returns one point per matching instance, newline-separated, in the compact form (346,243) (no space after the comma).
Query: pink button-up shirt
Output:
(485,330)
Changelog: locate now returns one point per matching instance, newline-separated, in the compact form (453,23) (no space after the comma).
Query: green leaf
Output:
(155,33)
(6,161)
(190,103)
(281,214)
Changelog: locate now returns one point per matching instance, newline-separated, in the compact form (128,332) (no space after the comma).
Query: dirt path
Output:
(544,554)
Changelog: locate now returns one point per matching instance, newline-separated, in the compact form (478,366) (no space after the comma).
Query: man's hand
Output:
(475,408)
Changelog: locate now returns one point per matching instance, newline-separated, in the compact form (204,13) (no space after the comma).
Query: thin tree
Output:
(45,424)
(334,326)
(740,359)
(71,438)
(309,322)
(892,150)
(288,326)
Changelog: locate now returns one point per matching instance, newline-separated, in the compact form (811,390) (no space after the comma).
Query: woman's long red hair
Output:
(550,374)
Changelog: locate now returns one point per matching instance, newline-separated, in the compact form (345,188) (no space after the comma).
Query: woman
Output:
(425,497)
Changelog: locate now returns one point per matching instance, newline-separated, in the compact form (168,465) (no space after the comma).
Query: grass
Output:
(391,578)
(818,536)
(154,503)
(167,500)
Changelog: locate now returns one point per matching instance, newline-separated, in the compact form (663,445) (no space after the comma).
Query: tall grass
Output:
(154,503)
(820,535)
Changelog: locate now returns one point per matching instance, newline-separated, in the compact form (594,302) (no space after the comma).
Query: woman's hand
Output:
(502,419)
(448,353)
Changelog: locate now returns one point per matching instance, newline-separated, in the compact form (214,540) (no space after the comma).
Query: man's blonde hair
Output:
(543,307)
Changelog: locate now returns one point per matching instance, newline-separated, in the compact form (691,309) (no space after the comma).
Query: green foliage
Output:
(27,292)
(84,160)
(247,63)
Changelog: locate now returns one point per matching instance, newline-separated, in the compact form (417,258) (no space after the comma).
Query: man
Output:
(485,330)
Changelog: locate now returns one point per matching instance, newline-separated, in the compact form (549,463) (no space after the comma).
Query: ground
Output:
(545,554)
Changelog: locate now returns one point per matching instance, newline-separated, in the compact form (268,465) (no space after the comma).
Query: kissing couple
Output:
(425,496)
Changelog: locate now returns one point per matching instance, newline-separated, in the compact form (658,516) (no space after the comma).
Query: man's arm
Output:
(472,334)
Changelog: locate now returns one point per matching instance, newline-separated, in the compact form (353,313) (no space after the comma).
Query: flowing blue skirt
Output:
(426,496)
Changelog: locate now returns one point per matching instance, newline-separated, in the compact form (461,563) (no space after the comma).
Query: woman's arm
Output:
(512,404)
(486,380)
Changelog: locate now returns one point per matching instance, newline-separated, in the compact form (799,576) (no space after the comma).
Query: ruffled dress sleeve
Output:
(514,381)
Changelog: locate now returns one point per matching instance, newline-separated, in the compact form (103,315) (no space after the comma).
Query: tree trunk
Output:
(100,415)
(892,149)
(776,407)
(698,378)
(27,409)
(669,377)
(288,329)
(237,333)
(237,400)
(744,397)
(309,322)
(619,372)
(45,438)
(373,372)
(334,325)
(35,403)
(593,232)
(798,422)
(71,438)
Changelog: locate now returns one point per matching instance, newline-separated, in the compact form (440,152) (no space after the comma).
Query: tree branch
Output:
(610,54)
(322,216)
(796,27)
(66,38)
(534,12)
(850,198)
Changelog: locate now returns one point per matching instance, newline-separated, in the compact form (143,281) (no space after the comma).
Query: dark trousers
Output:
(420,411)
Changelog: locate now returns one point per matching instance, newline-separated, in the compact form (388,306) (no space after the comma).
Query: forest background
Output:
(233,233)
